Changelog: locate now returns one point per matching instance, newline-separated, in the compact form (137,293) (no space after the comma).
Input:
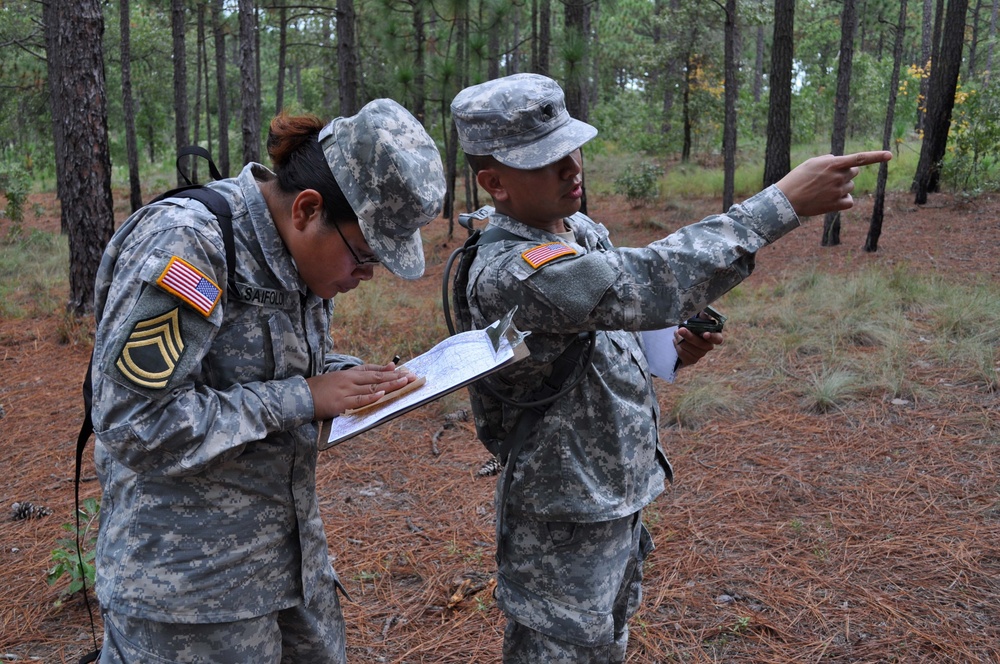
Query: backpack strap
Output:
(219,207)
(196,151)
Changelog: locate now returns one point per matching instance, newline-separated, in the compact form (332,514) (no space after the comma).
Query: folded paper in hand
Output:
(448,366)
(660,352)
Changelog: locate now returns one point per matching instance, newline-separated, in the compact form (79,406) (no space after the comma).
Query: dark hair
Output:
(299,163)
(478,162)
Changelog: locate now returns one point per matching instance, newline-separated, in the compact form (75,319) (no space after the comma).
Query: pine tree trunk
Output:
(203,59)
(941,101)
(544,36)
(250,84)
(74,29)
(875,227)
(848,25)
(222,89)
(731,93)
(181,127)
(347,58)
(419,66)
(686,110)
(777,154)
(279,92)
(926,49)
(50,19)
(196,136)
(992,39)
(577,27)
(128,109)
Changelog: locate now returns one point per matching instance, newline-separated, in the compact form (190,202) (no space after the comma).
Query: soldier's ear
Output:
(491,180)
(307,207)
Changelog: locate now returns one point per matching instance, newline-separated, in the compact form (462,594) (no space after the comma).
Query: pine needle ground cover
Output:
(836,495)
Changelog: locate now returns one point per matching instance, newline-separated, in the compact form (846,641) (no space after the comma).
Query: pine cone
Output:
(460,415)
(26,510)
(491,467)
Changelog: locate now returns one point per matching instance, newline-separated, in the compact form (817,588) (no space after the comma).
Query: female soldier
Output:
(207,388)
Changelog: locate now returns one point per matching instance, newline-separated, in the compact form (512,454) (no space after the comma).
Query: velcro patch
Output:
(190,284)
(545,253)
(152,350)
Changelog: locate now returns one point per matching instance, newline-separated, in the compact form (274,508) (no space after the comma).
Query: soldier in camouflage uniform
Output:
(206,393)
(571,542)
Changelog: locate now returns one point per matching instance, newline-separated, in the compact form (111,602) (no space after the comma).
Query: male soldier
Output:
(571,542)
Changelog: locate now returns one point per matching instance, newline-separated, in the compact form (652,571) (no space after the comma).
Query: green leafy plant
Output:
(15,187)
(741,625)
(68,562)
(639,185)
(973,158)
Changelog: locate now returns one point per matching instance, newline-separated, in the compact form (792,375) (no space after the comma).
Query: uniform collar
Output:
(272,246)
(588,233)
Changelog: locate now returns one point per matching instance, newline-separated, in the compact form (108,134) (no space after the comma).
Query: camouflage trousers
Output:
(569,589)
(311,634)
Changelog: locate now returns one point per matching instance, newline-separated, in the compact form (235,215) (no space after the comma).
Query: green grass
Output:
(835,338)
(691,180)
(34,271)
(386,317)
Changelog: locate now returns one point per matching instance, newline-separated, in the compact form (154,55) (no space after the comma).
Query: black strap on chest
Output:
(219,207)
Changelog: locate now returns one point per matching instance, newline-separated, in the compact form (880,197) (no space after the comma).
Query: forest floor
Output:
(870,533)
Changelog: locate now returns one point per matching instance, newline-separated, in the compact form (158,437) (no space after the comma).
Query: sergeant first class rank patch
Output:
(188,283)
(151,351)
(545,253)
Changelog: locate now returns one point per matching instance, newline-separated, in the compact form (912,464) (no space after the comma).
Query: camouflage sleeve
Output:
(340,361)
(639,288)
(155,406)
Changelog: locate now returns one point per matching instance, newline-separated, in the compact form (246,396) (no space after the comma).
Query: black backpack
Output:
(219,207)
(482,399)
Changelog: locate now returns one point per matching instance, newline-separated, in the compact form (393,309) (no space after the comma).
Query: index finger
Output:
(865,158)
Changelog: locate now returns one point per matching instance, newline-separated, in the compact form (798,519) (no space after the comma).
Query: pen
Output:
(395,358)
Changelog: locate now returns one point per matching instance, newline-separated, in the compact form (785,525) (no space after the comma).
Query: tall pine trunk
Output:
(347,58)
(181,126)
(73,31)
(250,83)
(941,101)
(777,153)
(279,92)
(731,93)
(875,227)
(218,31)
(419,108)
(128,108)
(926,49)
(848,25)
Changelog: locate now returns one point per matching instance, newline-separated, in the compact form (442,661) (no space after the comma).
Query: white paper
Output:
(661,355)
(451,364)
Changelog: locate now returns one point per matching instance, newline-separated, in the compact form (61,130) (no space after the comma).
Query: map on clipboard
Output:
(452,364)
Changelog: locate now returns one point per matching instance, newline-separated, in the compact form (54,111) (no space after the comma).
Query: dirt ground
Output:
(868,534)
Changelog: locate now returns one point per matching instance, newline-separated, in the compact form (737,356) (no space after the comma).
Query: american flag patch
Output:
(544,253)
(188,283)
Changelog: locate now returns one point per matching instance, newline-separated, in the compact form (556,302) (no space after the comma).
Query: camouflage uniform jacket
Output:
(595,454)
(206,450)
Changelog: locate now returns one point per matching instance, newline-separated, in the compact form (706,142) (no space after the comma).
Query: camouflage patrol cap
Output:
(521,120)
(390,171)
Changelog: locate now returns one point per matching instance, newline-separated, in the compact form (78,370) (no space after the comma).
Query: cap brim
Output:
(403,255)
(549,148)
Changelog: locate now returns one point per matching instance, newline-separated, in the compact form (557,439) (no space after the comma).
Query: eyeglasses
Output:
(359,262)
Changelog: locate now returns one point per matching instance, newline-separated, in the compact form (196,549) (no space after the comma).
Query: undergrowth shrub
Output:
(640,185)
